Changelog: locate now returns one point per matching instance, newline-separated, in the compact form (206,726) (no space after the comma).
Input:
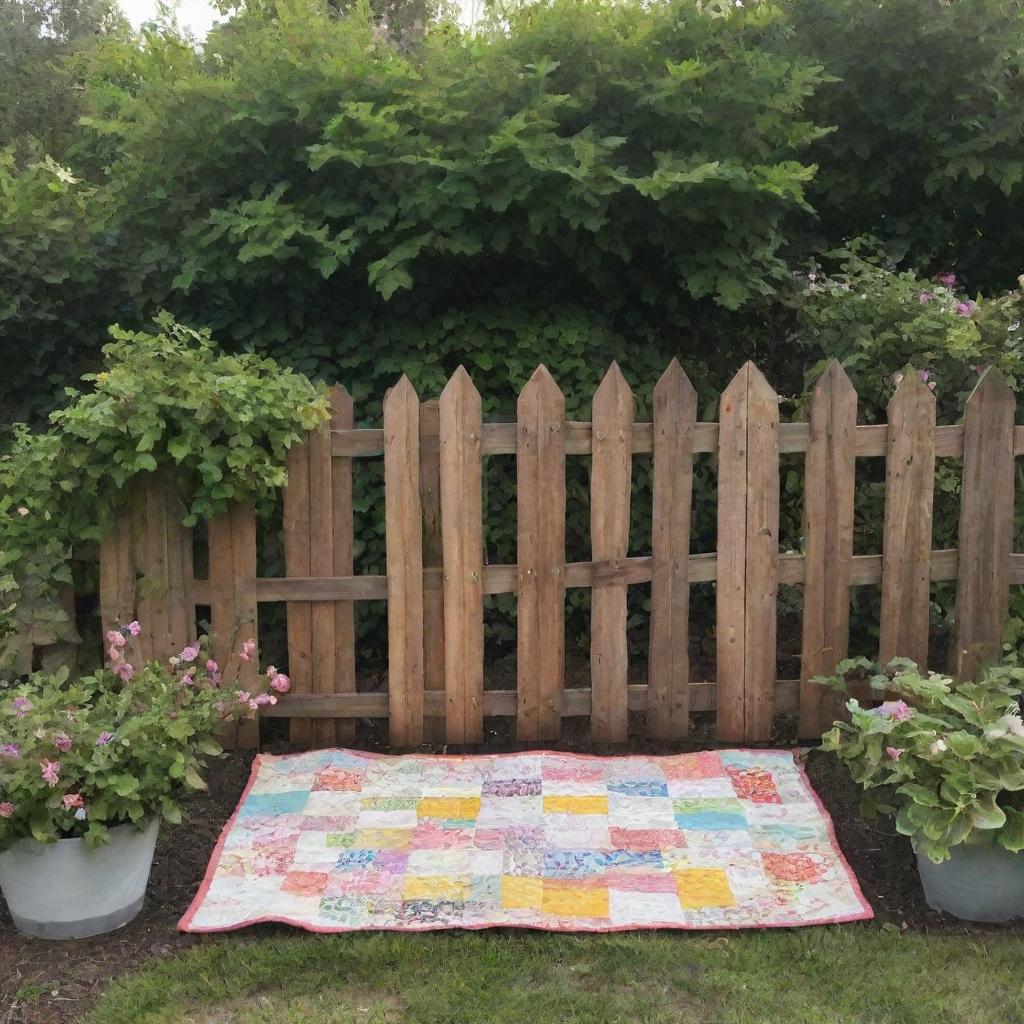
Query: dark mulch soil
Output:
(53,982)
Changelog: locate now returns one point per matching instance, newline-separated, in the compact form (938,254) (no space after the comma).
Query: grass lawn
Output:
(846,975)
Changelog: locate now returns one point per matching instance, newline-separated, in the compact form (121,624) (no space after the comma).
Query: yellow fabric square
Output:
(703,887)
(575,805)
(382,839)
(521,893)
(563,900)
(434,887)
(460,808)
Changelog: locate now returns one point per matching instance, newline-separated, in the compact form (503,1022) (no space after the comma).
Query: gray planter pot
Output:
(65,890)
(979,882)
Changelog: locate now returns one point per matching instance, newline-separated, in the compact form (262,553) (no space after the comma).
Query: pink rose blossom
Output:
(212,666)
(244,696)
(895,752)
(265,698)
(114,654)
(124,670)
(924,297)
(189,678)
(10,750)
(6,809)
(966,308)
(248,650)
(134,628)
(104,738)
(50,771)
(215,678)
(116,639)
(189,653)
(281,683)
(897,710)
(22,706)
(62,741)
(73,800)
(948,279)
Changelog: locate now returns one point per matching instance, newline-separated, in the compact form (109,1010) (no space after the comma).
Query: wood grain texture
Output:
(986,525)
(610,477)
(404,537)
(907,533)
(321,563)
(343,418)
(461,476)
(297,563)
(675,414)
(433,597)
(828,536)
(540,553)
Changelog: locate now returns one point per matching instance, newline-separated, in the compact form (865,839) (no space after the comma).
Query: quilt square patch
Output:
(338,840)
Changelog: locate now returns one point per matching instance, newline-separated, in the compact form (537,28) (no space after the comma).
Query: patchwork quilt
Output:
(338,840)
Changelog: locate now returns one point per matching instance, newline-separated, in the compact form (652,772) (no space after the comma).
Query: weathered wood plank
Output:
(404,535)
(540,552)
(986,525)
(907,535)
(461,476)
(828,533)
(610,476)
(675,414)
(117,580)
(321,563)
(297,563)
(343,418)
(433,559)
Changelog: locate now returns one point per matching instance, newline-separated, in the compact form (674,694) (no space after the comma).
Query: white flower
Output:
(938,747)
(22,511)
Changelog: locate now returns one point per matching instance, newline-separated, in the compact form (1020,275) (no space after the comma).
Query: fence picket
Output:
(433,598)
(297,563)
(540,557)
(404,536)
(907,535)
(675,415)
(986,525)
(321,563)
(343,418)
(610,475)
(748,553)
(828,535)
(461,476)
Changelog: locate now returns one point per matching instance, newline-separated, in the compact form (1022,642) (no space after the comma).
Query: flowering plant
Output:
(80,756)
(947,758)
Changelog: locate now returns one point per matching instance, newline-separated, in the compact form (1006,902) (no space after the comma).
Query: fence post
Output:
(433,559)
(986,525)
(404,538)
(828,535)
(748,557)
(462,542)
(668,686)
(540,557)
(907,536)
(610,476)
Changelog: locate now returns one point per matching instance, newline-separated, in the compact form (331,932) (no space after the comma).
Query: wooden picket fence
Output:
(436,579)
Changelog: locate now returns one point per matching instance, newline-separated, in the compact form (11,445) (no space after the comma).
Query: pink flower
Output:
(215,678)
(924,297)
(948,279)
(897,710)
(22,706)
(189,678)
(104,738)
(114,654)
(248,650)
(895,752)
(50,771)
(10,750)
(924,375)
(265,698)
(966,308)
(6,809)
(73,800)
(134,628)
(244,696)
(124,670)
(212,666)
(281,683)
(116,639)
(62,741)
(189,653)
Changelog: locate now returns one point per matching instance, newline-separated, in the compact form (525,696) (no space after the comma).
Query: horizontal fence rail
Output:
(435,581)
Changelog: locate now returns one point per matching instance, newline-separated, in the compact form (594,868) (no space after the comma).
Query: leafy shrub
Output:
(166,401)
(946,759)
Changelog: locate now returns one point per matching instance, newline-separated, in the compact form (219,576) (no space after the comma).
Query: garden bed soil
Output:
(54,982)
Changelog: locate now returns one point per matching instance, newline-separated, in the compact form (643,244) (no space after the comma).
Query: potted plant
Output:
(946,759)
(88,767)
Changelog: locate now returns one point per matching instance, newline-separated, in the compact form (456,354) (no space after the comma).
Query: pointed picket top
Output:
(541,387)
(339,398)
(991,388)
(912,389)
(401,391)
(674,382)
(834,377)
(749,384)
(613,398)
(460,386)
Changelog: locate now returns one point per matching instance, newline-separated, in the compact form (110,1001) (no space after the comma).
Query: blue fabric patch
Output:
(351,860)
(639,787)
(259,805)
(711,821)
(633,859)
(572,863)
